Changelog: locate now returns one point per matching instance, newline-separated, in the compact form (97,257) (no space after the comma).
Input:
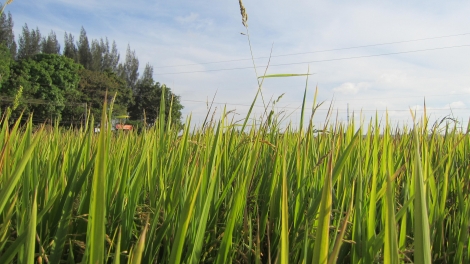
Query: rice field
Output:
(248,192)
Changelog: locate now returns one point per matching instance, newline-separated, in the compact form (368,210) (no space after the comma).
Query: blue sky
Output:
(179,33)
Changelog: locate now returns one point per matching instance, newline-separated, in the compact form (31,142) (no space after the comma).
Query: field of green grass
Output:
(272,194)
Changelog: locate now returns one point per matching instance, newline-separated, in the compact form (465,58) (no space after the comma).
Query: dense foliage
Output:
(5,62)
(94,86)
(49,79)
(7,37)
(147,93)
(67,87)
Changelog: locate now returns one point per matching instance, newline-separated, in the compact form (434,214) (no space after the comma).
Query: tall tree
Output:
(114,58)
(50,45)
(129,71)
(29,43)
(97,52)
(147,98)
(95,85)
(84,53)
(144,85)
(5,63)
(110,57)
(147,75)
(106,62)
(7,37)
(70,50)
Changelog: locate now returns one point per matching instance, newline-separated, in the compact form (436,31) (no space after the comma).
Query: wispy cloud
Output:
(457,104)
(194,21)
(351,88)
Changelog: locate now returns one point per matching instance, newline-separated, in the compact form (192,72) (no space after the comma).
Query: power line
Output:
(315,61)
(342,110)
(370,98)
(396,97)
(318,51)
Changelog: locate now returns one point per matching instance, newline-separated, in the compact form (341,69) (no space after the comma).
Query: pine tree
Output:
(50,45)
(70,50)
(97,56)
(7,37)
(29,43)
(84,53)
(144,81)
(110,59)
(105,60)
(147,75)
(114,58)
(5,63)
(129,71)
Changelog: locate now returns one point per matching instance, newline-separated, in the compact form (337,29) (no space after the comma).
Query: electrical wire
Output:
(317,61)
(318,51)
(342,110)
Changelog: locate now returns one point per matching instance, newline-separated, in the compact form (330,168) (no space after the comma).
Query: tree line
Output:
(38,76)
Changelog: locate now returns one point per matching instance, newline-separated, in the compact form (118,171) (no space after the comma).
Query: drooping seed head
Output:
(243,13)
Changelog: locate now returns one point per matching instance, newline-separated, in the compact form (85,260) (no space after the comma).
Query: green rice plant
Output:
(31,234)
(136,256)
(284,215)
(390,240)
(97,216)
(422,252)
(217,194)
(320,253)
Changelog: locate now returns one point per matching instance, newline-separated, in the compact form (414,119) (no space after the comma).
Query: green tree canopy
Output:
(65,86)
(84,53)
(102,57)
(111,58)
(5,62)
(29,43)
(147,99)
(93,86)
(50,45)
(49,83)
(7,37)
(129,71)
(97,52)
(70,50)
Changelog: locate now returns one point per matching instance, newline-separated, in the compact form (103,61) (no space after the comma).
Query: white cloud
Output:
(347,88)
(418,108)
(393,77)
(458,104)
(191,18)
(194,21)
(351,88)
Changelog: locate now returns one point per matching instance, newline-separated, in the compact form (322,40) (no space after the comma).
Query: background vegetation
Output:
(66,84)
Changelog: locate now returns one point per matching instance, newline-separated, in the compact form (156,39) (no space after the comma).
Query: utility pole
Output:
(348,114)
